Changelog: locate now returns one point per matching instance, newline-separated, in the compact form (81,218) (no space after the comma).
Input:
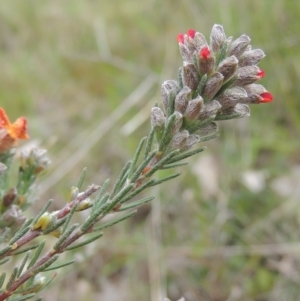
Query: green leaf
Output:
(136,156)
(60,265)
(137,203)
(88,241)
(36,254)
(81,179)
(116,221)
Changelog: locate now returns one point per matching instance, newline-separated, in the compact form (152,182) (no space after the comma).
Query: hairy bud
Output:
(157,118)
(166,88)
(238,46)
(212,86)
(230,97)
(190,76)
(194,108)
(182,99)
(228,67)
(251,57)
(217,37)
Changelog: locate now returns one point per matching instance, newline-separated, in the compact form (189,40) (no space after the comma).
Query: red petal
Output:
(180,38)
(205,53)
(4,121)
(266,97)
(191,33)
(18,130)
(261,73)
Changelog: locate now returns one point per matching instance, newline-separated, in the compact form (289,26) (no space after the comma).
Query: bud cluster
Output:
(216,82)
(34,158)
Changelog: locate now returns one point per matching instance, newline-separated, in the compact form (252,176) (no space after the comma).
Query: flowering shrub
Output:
(217,81)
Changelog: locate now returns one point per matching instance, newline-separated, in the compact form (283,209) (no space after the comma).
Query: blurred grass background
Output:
(227,229)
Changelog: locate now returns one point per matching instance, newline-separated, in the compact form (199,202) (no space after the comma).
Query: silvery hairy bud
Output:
(238,46)
(239,111)
(230,97)
(190,142)
(206,61)
(228,67)
(35,157)
(251,57)
(157,118)
(200,40)
(13,216)
(210,110)
(257,94)
(194,108)
(179,140)
(185,53)
(212,86)
(166,88)
(208,130)
(190,76)
(182,99)
(217,38)
(248,75)
(190,42)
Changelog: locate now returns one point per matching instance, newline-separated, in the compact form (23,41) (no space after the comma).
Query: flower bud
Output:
(9,197)
(208,130)
(179,140)
(239,111)
(228,67)
(200,40)
(13,216)
(186,54)
(182,99)
(157,118)
(166,88)
(35,286)
(247,75)
(217,38)
(194,108)
(191,44)
(212,86)
(84,204)
(210,110)
(206,61)
(254,89)
(190,76)
(190,142)
(238,47)
(35,157)
(251,57)
(73,193)
(230,97)
(45,221)
(257,94)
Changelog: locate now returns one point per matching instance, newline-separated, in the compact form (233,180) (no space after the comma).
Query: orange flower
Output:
(11,132)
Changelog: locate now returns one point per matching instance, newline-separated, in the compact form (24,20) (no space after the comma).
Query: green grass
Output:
(55,70)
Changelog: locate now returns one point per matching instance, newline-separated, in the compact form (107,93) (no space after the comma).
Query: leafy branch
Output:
(216,82)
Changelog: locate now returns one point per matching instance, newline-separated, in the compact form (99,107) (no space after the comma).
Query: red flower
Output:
(266,97)
(261,73)
(204,52)
(11,132)
(191,33)
(180,38)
